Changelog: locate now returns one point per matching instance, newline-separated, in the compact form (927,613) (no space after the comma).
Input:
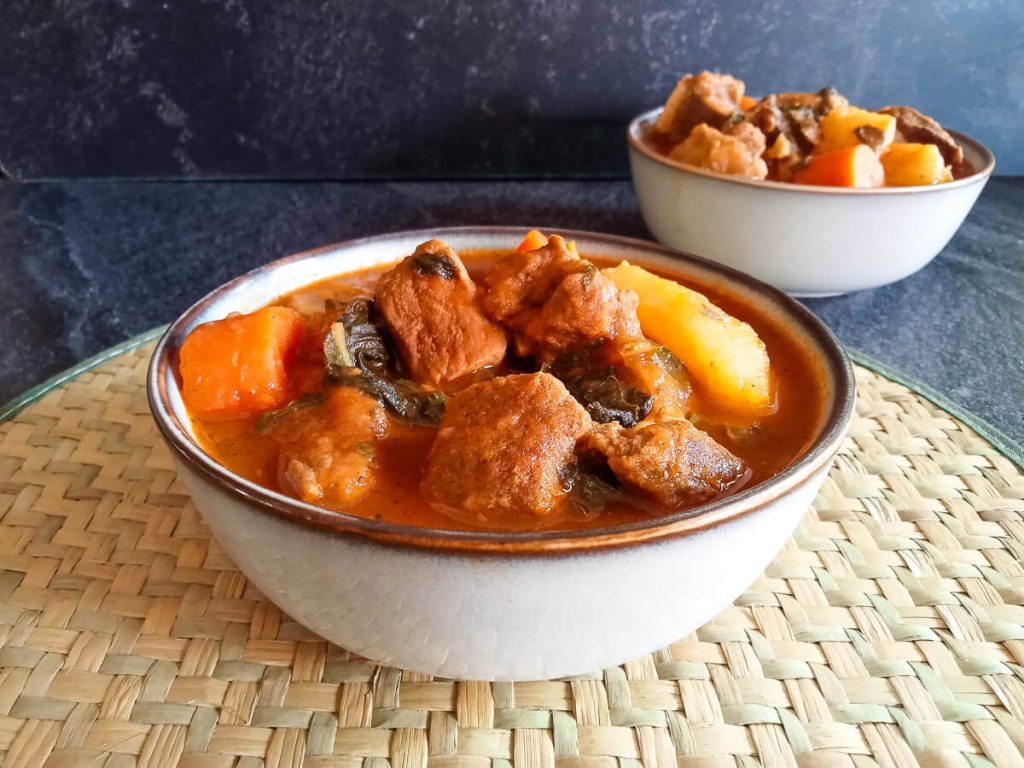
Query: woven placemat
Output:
(888,632)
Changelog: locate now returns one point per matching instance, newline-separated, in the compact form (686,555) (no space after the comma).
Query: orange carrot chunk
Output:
(856,166)
(240,365)
(532,241)
(747,103)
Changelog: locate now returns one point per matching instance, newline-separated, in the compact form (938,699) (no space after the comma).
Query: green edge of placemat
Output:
(993,434)
(12,407)
(999,439)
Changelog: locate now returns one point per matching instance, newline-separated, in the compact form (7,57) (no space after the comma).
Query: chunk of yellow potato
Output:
(912,165)
(724,356)
(848,126)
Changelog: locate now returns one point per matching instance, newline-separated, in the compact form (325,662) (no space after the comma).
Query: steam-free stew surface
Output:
(767,447)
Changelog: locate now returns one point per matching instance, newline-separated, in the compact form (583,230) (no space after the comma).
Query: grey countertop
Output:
(90,263)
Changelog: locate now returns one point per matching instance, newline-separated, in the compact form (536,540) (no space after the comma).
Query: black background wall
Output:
(448,88)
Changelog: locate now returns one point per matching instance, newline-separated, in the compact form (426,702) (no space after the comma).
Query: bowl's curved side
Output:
(505,617)
(802,242)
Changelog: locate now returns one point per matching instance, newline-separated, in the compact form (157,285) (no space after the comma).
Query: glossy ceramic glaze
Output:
(808,241)
(486,605)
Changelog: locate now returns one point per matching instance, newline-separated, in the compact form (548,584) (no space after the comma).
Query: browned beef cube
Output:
(328,451)
(913,126)
(431,308)
(669,462)
(501,449)
(737,153)
(554,301)
(708,98)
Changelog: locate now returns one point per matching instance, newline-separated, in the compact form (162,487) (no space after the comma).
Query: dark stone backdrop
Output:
(452,88)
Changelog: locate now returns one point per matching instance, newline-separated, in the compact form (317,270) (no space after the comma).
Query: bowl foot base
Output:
(816,294)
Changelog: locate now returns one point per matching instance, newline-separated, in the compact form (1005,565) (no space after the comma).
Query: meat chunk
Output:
(431,308)
(553,301)
(791,125)
(653,369)
(709,98)
(917,128)
(501,448)
(671,463)
(737,153)
(328,452)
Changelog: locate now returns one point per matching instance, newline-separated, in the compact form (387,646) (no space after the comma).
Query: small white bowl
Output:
(509,606)
(806,240)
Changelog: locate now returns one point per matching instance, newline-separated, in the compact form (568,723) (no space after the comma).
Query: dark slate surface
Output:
(89,264)
(452,88)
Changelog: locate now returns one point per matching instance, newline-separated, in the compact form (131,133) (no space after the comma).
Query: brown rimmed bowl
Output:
(511,606)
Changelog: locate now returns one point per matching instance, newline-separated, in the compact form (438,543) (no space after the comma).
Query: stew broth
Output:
(767,447)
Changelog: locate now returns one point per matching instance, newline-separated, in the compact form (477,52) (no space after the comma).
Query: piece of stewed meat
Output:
(329,450)
(501,451)
(671,463)
(554,301)
(431,308)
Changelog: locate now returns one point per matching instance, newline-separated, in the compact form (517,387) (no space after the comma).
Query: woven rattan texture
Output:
(888,632)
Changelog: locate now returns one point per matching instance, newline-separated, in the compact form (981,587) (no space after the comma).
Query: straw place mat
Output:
(888,632)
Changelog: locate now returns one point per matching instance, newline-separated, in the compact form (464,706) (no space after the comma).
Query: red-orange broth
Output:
(768,448)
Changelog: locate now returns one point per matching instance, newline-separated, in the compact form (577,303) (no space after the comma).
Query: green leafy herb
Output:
(589,482)
(671,364)
(401,396)
(589,379)
(608,399)
(355,341)
(269,420)
(436,264)
(736,118)
(357,355)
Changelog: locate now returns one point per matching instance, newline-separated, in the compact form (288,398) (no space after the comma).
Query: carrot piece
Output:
(856,166)
(532,241)
(747,103)
(240,365)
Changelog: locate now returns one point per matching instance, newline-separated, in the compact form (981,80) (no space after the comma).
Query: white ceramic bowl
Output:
(488,605)
(806,240)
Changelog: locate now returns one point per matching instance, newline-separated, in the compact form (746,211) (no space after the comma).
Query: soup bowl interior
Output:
(478,604)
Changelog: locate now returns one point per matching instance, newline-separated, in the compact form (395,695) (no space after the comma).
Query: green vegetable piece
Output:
(269,420)
(400,396)
(357,355)
(355,341)
(595,386)
(435,264)
(589,482)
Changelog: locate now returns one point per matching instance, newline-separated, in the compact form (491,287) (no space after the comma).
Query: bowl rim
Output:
(637,143)
(817,456)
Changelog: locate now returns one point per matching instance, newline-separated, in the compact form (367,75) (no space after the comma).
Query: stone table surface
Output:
(87,264)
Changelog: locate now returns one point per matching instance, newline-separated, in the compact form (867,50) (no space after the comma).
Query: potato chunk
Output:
(724,356)
(849,126)
(911,165)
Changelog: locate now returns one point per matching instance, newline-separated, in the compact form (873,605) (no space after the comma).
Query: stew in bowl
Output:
(530,388)
(532,506)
